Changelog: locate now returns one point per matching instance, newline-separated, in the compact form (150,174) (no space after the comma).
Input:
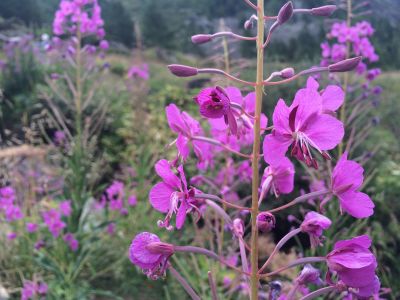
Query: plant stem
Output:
(297,262)
(254,280)
(279,246)
(346,76)
(184,283)
(300,199)
(318,293)
(214,294)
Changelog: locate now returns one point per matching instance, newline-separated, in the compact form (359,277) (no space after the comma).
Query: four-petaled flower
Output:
(304,126)
(172,196)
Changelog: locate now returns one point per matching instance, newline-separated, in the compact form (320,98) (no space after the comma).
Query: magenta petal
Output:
(332,98)
(138,253)
(163,169)
(357,204)
(232,123)
(234,94)
(218,124)
(275,147)
(281,117)
(250,102)
(309,104)
(326,132)
(284,175)
(312,83)
(160,197)
(182,146)
(347,172)
(362,240)
(358,277)
(369,289)
(181,215)
(174,118)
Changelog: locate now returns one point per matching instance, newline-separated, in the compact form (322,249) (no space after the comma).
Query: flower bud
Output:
(285,13)
(309,274)
(183,71)
(323,11)
(345,65)
(238,227)
(287,73)
(201,38)
(265,221)
(248,24)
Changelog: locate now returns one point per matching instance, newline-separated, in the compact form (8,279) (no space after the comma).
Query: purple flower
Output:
(172,195)
(104,45)
(111,228)
(186,127)
(332,96)
(150,254)
(42,288)
(265,221)
(12,236)
(304,126)
(313,225)
(31,227)
(132,200)
(309,274)
(141,71)
(354,263)
(28,290)
(278,178)
(214,102)
(52,219)
(71,241)
(347,178)
(65,208)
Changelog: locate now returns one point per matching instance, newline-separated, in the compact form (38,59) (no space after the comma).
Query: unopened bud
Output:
(265,221)
(160,248)
(285,13)
(183,71)
(287,73)
(345,65)
(248,24)
(309,274)
(323,11)
(201,38)
(238,227)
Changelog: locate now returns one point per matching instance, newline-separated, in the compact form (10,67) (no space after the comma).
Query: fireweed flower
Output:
(309,274)
(172,195)
(265,221)
(186,127)
(132,200)
(52,219)
(313,225)
(220,130)
(139,71)
(215,103)
(65,208)
(31,289)
(150,254)
(31,227)
(347,178)
(304,126)
(278,178)
(71,241)
(332,96)
(355,264)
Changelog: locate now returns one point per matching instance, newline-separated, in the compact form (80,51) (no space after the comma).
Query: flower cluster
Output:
(33,290)
(116,198)
(8,207)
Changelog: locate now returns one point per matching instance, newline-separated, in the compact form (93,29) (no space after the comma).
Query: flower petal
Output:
(182,146)
(174,118)
(234,94)
(275,146)
(281,117)
(332,98)
(160,197)
(347,172)
(163,169)
(325,131)
(357,204)
(181,215)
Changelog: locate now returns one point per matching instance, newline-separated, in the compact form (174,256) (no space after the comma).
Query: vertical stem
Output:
(346,75)
(184,283)
(78,97)
(254,280)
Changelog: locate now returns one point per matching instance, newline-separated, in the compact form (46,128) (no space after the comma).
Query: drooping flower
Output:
(314,224)
(354,263)
(278,178)
(150,254)
(347,178)
(309,274)
(172,195)
(304,126)
(186,127)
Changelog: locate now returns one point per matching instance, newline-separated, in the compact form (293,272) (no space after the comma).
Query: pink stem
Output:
(302,73)
(252,5)
(279,246)
(300,261)
(220,72)
(214,294)
(319,292)
(218,199)
(184,283)
(218,143)
(300,199)
(234,35)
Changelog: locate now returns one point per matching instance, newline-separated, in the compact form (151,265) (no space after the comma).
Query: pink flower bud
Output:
(323,11)
(309,275)
(287,73)
(345,65)
(265,221)
(183,71)
(161,248)
(248,24)
(201,38)
(285,13)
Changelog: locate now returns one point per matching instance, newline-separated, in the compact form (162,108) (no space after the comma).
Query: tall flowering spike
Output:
(354,263)
(347,178)
(172,195)
(323,11)
(285,13)
(345,65)
(150,254)
(303,126)
(186,127)
(278,177)
(183,71)
(314,224)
